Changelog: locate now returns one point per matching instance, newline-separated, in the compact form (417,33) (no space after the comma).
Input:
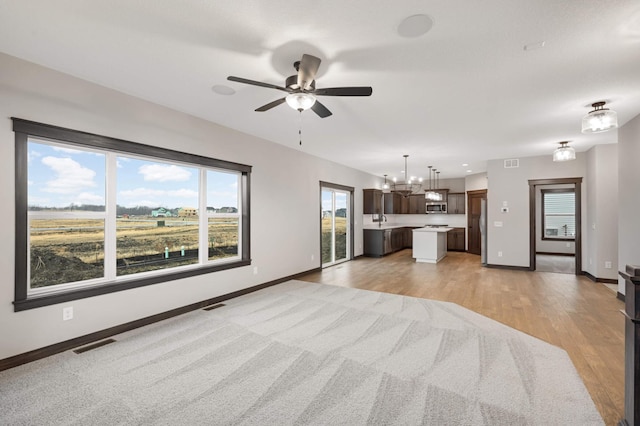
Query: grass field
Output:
(341,239)
(140,242)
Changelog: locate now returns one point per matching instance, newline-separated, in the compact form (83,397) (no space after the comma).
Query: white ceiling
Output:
(465,92)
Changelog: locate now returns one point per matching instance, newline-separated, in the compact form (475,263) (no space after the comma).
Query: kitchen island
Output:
(430,244)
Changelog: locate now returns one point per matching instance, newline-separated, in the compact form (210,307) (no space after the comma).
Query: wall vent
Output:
(511,163)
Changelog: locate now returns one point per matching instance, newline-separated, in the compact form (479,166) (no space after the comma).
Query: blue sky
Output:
(60,176)
(341,200)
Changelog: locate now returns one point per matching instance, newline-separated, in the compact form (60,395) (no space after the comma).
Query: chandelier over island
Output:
(410,184)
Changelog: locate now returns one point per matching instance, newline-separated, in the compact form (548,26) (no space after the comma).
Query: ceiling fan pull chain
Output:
(300,127)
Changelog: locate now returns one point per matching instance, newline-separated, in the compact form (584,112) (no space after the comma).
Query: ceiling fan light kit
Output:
(564,152)
(300,101)
(600,119)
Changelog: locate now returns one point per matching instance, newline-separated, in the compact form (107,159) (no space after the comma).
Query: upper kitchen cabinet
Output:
(456,203)
(395,203)
(372,201)
(417,204)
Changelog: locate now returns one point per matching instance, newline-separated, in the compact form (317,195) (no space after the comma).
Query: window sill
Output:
(106,288)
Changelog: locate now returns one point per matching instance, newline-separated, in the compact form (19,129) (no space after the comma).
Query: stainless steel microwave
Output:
(437,207)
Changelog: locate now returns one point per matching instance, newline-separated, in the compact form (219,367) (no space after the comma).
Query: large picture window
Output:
(558,214)
(96,215)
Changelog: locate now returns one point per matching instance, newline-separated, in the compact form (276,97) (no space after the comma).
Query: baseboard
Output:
(513,268)
(56,348)
(600,280)
(620,296)
(557,254)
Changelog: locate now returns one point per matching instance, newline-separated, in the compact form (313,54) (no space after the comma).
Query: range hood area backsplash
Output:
(452,220)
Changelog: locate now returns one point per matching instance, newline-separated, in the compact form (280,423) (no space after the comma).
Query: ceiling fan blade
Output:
(255,83)
(307,70)
(321,110)
(344,91)
(270,105)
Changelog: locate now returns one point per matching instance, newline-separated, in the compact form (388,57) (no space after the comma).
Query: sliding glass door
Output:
(335,225)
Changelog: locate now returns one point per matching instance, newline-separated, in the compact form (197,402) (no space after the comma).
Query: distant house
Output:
(187,211)
(227,210)
(161,212)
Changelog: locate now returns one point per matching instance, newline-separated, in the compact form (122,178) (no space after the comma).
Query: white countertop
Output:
(383,227)
(432,229)
(417,228)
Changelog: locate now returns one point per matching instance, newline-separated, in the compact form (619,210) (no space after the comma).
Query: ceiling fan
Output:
(301,88)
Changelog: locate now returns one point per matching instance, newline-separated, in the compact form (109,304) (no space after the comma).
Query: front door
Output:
(474,211)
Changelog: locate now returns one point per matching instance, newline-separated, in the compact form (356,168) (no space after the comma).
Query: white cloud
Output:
(164,173)
(71,177)
(88,198)
(158,193)
(183,193)
(67,150)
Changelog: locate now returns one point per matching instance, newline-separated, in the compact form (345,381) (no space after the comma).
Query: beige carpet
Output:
(304,353)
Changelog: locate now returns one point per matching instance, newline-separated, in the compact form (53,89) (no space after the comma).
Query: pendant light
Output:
(564,152)
(408,186)
(385,185)
(600,119)
(431,194)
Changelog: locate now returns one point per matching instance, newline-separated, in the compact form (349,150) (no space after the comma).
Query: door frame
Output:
(483,193)
(577,186)
(343,188)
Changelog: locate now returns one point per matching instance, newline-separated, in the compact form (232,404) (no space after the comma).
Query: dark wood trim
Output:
(106,288)
(513,268)
(533,184)
(77,137)
(620,296)
(21,200)
(23,129)
(350,190)
(542,215)
(56,348)
(477,192)
(556,254)
(599,280)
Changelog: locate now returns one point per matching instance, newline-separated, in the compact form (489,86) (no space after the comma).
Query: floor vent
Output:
(93,346)
(511,163)
(212,307)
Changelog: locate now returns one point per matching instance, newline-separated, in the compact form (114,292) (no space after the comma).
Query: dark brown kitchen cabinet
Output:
(455,240)
(455,203)
(372,202)
(393,203)
(417,204)
(378,242)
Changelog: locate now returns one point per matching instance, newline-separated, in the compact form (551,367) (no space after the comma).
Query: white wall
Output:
(629,199)
(511,186)
(602,216)
(284,200)
(476,182)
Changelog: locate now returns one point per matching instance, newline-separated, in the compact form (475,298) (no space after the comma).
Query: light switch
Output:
(497,224)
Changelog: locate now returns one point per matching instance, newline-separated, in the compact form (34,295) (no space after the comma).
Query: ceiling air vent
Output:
(512,163)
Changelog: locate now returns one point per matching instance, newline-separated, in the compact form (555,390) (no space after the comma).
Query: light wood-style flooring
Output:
(568,311)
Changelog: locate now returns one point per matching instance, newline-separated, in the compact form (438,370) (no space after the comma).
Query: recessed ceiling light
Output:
(415,26)
(469,171)
(223,90)
(465,165)
(534,46)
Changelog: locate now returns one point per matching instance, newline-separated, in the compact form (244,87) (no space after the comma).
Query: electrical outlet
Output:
(607,264)
(313,257)
(255,270)
(499,254)
(67,313)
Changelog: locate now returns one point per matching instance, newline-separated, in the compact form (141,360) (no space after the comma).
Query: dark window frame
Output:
(23,129)
(542,214)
